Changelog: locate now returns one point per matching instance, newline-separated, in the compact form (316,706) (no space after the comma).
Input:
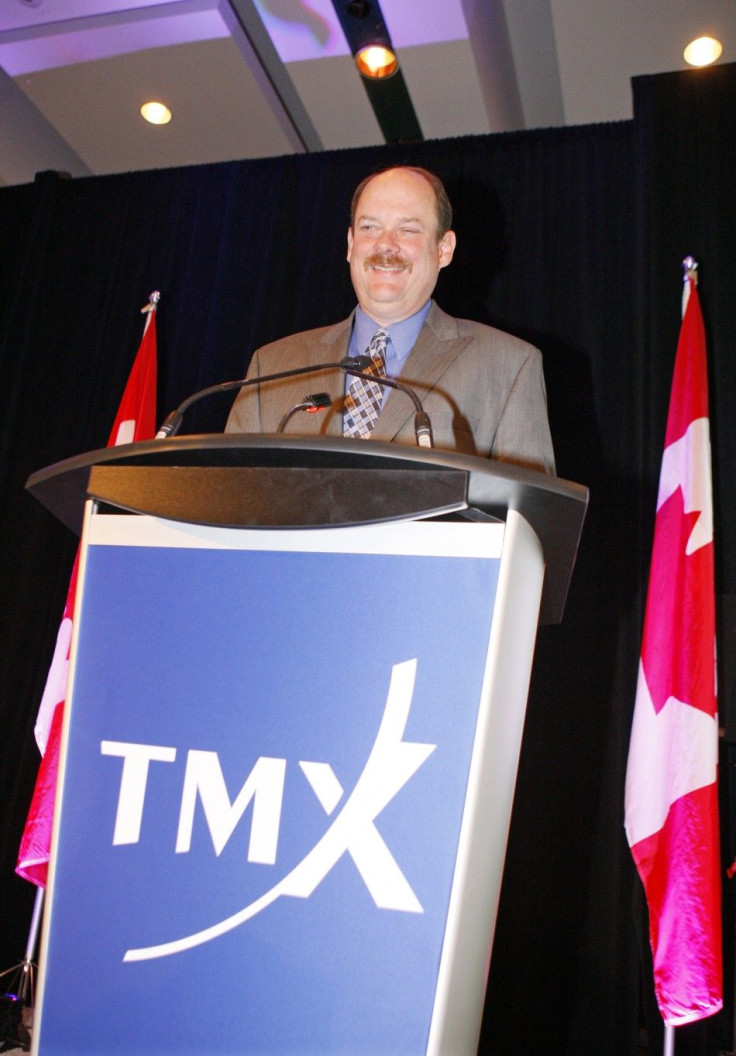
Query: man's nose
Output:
(386,242)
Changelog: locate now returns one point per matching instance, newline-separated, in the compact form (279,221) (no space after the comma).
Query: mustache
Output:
(385,260)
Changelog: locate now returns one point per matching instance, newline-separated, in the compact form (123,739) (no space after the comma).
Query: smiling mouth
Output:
(392,265)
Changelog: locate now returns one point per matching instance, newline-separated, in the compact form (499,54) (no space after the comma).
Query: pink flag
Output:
(135,420)
(671,779)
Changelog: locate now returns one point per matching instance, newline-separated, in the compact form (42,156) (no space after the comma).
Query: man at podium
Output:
(482,389)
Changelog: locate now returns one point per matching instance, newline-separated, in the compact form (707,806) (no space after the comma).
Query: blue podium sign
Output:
(266,759)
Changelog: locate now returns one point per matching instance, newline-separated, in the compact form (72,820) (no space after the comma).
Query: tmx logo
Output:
(390,764)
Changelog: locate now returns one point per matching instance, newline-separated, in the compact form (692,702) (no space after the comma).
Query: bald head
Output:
(443,208)
(395,247)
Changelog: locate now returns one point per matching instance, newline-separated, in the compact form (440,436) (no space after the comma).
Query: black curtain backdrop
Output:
(572,238)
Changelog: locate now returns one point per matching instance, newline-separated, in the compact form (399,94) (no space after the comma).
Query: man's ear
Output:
(447,248)
(350,244)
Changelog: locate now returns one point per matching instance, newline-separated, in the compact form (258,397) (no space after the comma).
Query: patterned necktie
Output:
(364,398)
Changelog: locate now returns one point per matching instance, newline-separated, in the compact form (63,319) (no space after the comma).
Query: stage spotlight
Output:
(376,60)
(370,45)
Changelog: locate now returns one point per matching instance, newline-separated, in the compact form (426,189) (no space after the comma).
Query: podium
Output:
(297,693)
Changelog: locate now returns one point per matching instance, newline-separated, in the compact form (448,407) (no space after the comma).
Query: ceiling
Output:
(257,78)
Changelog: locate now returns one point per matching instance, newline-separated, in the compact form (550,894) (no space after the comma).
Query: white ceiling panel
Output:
(84,40)
(95,107)
(336,102)
(602,44)
(443,84)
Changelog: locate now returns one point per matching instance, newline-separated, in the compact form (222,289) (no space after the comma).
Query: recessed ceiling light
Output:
(703,51)
(156,113)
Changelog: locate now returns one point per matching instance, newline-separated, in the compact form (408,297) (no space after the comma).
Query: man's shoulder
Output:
(449,327)
(321,336)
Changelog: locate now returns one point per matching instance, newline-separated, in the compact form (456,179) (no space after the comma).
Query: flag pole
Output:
(690,271)
(671,798)
(20,987)
(669,1040)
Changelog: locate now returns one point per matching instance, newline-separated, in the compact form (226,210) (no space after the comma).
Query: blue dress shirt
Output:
(401,339)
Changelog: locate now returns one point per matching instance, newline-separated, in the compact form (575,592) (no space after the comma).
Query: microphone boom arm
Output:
(354,365)
(171,424)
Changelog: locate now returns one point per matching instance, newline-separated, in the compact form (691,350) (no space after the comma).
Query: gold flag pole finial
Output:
(690,268)
(152,303)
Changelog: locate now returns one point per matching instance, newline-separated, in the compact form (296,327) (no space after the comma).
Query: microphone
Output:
(171,424)
(354,365)
(318,401)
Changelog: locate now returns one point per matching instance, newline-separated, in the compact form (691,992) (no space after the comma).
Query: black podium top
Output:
(260,481)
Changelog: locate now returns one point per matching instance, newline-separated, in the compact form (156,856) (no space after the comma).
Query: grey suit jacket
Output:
(482,389)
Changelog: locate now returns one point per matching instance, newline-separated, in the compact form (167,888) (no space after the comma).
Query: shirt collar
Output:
(402,336)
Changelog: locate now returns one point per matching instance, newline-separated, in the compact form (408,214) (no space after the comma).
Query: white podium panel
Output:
(286,783)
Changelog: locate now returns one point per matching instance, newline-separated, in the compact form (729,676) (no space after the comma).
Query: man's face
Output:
(393,250)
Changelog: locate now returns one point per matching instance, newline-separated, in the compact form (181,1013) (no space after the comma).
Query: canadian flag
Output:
(135,420)
(671,802)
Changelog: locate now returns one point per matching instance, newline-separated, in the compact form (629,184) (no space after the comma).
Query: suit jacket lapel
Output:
(436,349)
